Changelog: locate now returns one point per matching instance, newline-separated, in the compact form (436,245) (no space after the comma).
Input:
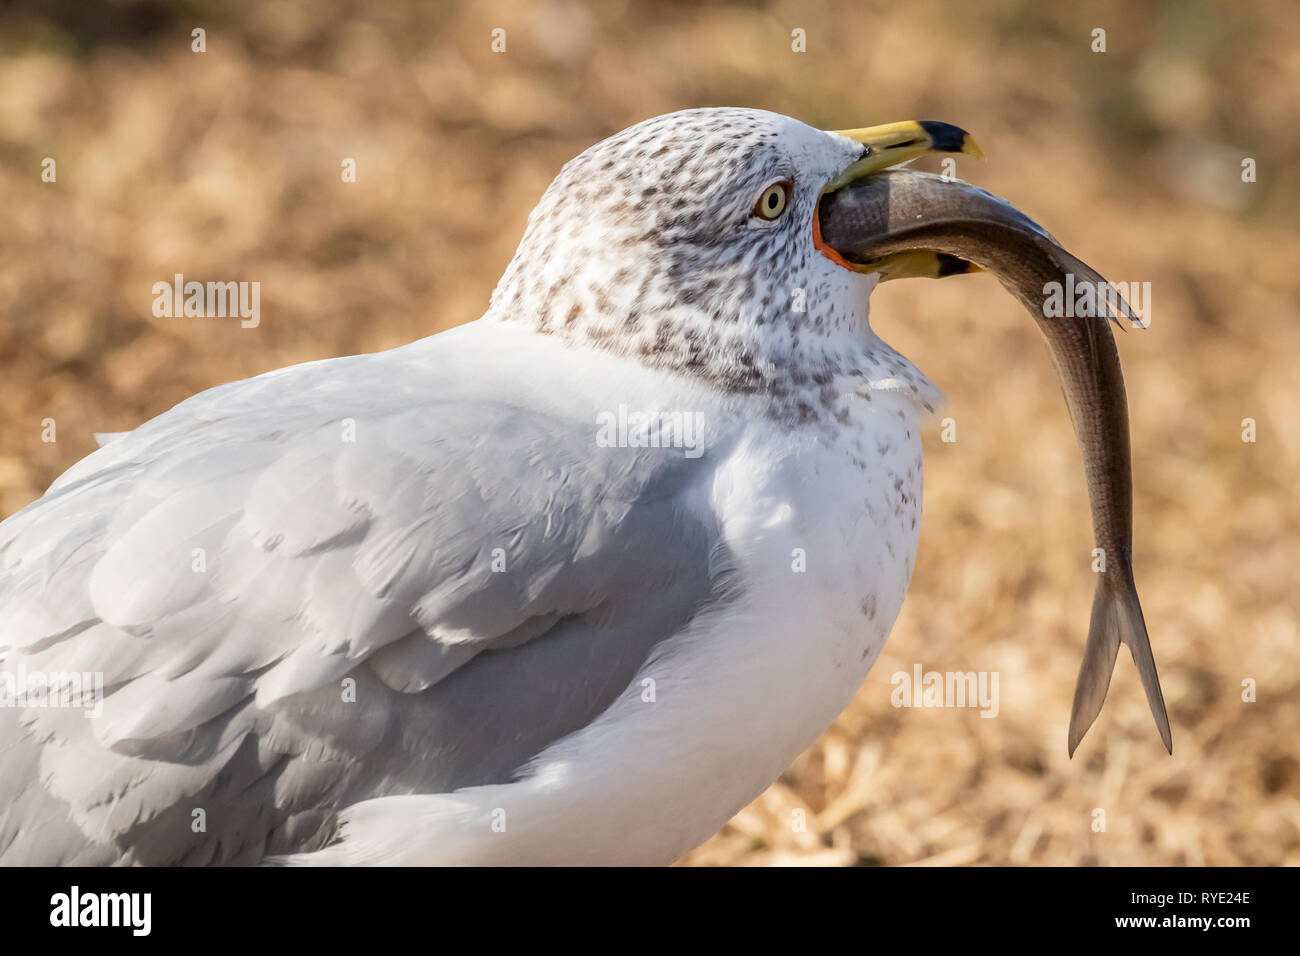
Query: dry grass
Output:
(226,165)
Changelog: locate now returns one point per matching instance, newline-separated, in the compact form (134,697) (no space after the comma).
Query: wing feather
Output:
(326,584)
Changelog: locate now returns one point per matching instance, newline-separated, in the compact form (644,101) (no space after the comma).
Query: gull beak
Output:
(896,143)
(887,146)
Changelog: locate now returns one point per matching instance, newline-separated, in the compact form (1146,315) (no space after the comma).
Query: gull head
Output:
(690,241)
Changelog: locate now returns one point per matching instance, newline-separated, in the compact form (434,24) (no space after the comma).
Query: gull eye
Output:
(773,201)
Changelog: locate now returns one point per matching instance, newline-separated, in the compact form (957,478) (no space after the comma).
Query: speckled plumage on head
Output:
(647,244)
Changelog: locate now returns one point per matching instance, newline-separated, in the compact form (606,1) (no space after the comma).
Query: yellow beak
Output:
(887,146)
(896,143)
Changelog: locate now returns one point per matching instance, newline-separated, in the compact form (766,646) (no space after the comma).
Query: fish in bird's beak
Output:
(901,223)
(891,145)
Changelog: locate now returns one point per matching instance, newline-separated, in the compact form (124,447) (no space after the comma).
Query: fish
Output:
(902,223)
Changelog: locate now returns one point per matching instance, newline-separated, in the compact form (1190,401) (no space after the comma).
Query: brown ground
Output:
(225,165)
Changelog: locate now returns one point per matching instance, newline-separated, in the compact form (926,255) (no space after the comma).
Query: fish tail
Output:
(1116,618)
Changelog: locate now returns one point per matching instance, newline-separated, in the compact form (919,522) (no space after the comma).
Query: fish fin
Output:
(1133,632)
(1098,662)
(1116,618)
(1117,307)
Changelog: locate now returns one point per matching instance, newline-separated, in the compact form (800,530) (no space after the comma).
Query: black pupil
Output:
(771,200)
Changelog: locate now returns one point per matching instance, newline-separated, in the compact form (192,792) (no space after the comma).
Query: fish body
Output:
(905,223)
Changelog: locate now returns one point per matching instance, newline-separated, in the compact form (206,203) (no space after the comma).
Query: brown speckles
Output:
(869,609)
(645,245)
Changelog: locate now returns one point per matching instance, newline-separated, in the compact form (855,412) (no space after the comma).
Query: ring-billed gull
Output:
(570,583)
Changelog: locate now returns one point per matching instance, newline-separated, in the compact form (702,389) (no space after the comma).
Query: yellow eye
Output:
(773,200)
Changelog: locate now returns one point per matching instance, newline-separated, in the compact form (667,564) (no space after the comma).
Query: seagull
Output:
(569,584)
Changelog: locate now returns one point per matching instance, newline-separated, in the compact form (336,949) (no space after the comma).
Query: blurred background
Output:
(225,165)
